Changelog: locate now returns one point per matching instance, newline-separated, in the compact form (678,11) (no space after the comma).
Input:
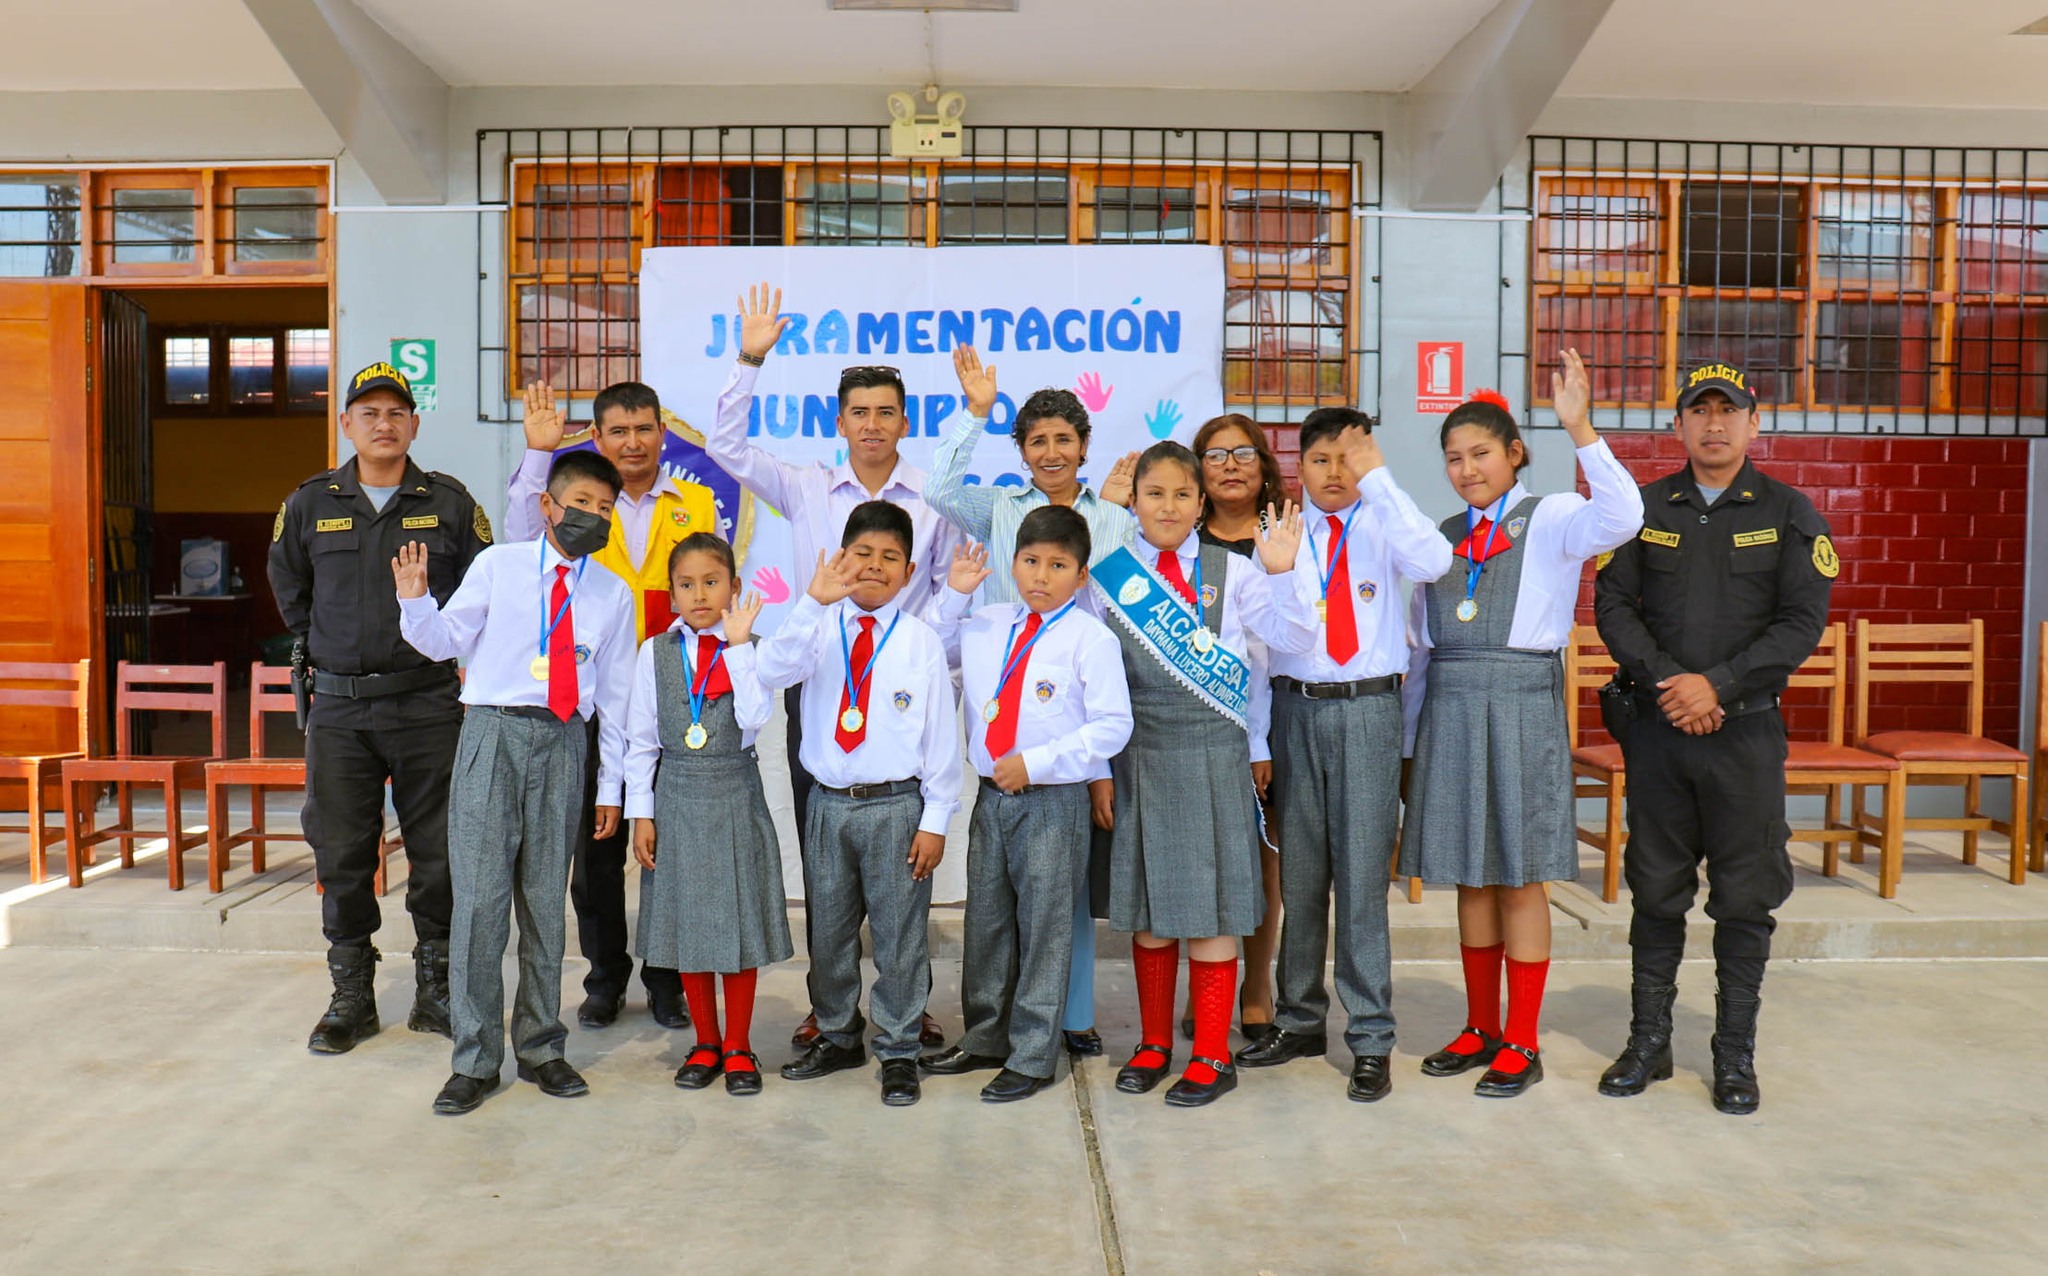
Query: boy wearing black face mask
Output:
(549,642)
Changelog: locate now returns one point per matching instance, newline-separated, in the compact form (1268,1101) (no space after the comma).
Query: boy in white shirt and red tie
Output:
(881,740)
(1048,707)
(1337,728)
(548,643)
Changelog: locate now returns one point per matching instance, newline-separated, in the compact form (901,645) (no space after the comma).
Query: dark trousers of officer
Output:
(597,891)
(1718,798)
(800,783)
(343,819)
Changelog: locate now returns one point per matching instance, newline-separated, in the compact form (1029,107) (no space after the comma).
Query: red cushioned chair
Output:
(1823,767)
(1597,769)
(29,685)
(199,689)
(1951,653)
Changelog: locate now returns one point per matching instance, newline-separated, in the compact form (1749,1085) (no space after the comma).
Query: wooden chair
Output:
(202,689)
(1823,767)
(27,685)
(270,691)
(2040,824)
(1925,654)
(1597,770)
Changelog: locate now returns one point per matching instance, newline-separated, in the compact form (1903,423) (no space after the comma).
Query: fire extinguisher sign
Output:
(1439,376)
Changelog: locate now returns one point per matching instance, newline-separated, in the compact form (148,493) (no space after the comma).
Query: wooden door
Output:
(49,516)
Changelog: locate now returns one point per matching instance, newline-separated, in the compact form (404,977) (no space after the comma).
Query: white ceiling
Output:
(1853,52)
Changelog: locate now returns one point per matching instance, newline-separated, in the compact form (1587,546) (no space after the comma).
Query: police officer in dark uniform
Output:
(1708,611)
(380,711)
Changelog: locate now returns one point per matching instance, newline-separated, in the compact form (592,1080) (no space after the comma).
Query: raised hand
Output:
(969,569)
(1123,476)
(834,578)
(543,421)
(774,589)
(1571,394)
(1093,394)
(761,321)
(977,383)
(1361,451)
(1280,539)
(739,619)
(1163,418)
(409,570)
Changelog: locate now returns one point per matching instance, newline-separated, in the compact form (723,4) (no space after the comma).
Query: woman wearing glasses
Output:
(1051,433)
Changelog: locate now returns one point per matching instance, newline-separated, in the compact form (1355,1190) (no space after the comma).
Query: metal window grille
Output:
(1865,289)
(39,225)
(557,295)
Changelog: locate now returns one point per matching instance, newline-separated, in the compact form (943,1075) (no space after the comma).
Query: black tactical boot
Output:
(352,1014)
(1735,1089)
(1647,1056)
(430,989)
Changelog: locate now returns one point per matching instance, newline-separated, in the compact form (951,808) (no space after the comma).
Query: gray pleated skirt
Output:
(1490,797)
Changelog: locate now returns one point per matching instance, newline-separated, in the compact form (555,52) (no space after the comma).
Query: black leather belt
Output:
(987,783)
(1339,690)
(539,712)
(861,792)
(369,686)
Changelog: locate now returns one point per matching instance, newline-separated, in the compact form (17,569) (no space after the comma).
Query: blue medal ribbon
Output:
(1325,571)
(1012,663)
(1474,568)
(548,627)
(853,685)
(699,689)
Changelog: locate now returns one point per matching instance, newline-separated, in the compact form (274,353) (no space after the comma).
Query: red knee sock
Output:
(1212,990)
(739,1017)
(1525,1010)
(700,991)
(1157,969)
(1482,994)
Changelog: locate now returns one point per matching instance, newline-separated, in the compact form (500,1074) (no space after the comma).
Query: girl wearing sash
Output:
(711,895)
(1184,818)
(1490,799)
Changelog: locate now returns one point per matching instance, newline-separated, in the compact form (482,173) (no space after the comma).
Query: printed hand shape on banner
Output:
(772,587)
(1094,394)
(1162,419)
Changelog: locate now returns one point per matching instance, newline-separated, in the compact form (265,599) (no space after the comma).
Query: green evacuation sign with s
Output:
(414,357)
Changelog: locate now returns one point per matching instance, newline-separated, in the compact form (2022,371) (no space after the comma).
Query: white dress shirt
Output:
(1390,541)
(493,622)
(1259,612)
(991,514)
(816,498)
(913,730)
(1565,529)
(1074,713)
(752,705)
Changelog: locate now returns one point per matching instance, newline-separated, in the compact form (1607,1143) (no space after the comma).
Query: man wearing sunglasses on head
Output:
(816,499)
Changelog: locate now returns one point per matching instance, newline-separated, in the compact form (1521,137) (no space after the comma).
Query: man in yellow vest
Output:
(653,513)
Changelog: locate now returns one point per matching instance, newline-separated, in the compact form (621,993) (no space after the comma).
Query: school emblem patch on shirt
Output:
(902,701)
(1044,691)
(1516,526)
(1133,592)
(582,654)
(1208,595)
(1366,590)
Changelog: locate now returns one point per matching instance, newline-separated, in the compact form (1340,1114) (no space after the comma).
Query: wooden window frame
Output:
(228,181)
(218,376)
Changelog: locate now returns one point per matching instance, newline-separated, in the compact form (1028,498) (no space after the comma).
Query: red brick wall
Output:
(1929,530)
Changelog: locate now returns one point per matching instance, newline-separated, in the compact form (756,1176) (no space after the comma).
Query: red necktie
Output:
(562,696)
(863,653)
(1002,733)
(717,682)
(1474,548)
(1169,567)
(1340,632)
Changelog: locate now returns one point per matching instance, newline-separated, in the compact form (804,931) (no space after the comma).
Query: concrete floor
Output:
(168,1119)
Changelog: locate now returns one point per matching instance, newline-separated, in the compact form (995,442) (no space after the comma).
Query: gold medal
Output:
(852,718)
(539,668)
(1203,640)
(1322,611)
(991,711)
(696,735)
(1468,610)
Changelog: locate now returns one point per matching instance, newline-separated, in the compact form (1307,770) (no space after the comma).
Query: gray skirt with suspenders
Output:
(714,899)
(1490,795)
(1184,855)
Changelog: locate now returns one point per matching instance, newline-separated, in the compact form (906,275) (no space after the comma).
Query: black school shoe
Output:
(1450,1063)
(463,1094)
(822,1059)
(956,1061)
(556,1079)
(1198,1094)
(1282,1047)
(700,1068)
(667,1006)
(1085,1044)
(900,1086)
(1136,1078)
(742,1081)
(1370,1080)
(1008,1087)
(1506,1085)
(600,1009)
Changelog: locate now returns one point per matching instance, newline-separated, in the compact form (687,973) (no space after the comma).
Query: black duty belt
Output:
(1338,690)
(1729,708)
(370,686)
(862,792)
